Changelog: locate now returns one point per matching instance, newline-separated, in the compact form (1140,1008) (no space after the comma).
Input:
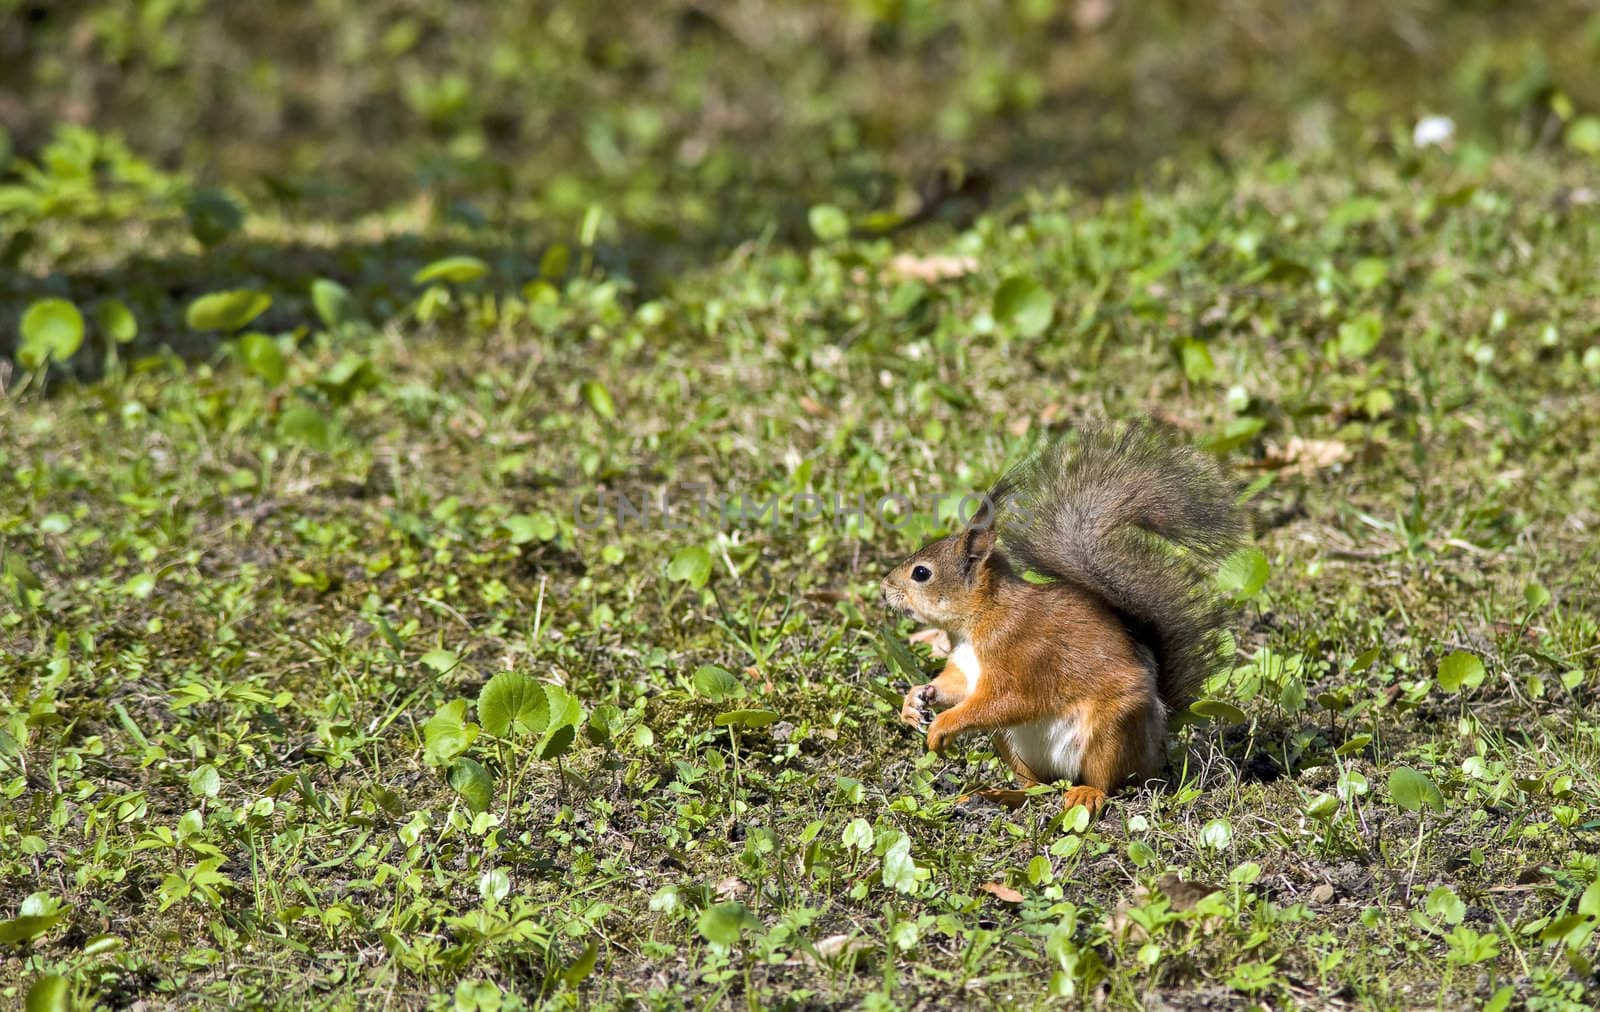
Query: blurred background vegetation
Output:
(696,124)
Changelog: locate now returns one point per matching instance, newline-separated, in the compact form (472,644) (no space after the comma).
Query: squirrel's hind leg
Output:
(1006,797)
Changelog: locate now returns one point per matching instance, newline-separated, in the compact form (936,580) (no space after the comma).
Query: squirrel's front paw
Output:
(917,709)
(940,733)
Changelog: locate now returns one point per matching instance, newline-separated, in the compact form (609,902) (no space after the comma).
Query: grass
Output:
(240,602)
(326,685)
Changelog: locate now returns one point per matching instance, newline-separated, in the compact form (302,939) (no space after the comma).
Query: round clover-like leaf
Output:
(1244,573)
(115,321)
(691,565)
(468,778)
(716,684)
(513,704)
(723,923)
(1217,710)
(563,716)
(262,356)
(226,311)
(1024,304)
(52,330)
(1412,790)
(745,718)
(456,270)
(828,223)
(1459,670)
(333,302)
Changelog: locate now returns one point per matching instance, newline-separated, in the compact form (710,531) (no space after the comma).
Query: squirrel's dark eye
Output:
(921,574)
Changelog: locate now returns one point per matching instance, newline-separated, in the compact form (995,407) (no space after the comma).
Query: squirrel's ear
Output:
(976,547)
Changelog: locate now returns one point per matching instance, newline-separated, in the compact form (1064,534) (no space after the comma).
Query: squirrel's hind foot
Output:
(1092,798)
(1005,797)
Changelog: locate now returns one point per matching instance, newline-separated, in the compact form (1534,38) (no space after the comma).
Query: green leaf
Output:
(262,356)
(50,993)
(1195,357)
(565,715)
(468,778)
(602,725)
(858,835)
(348,376)
(828,223)
(447,733)
(1216,834)
(1369,273)
(899,870)
(511,703)
(524,528)
(724,923)
(1460,669)
(440,661)
(1536,595)
(456,270)
(205,782)
(691,565)
(716,684)
(1217,710)
(494,885)
(1024,305)
(579,969)
(745,718)
(555,261)
(334,304)
(599,399)
(897,655)
(213,217)
(307,426)
(52,330)
(38,914)
(1583,134)
(1358,337)
(115,321)
(1444,906)
(22,929)
(1235,434)
(1412,790)
(1244,573)
(226,311)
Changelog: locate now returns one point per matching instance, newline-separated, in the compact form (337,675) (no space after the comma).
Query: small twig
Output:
(538,608)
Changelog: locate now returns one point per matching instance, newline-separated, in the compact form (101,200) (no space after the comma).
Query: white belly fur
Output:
(965,660)
(1052,747)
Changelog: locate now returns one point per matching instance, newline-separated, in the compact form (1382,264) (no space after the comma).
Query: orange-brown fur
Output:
(1075,675)
(1044,649)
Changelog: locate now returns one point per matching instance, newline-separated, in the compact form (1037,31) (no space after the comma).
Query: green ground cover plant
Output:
(324,683)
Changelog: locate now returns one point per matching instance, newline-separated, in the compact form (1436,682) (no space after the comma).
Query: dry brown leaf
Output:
(812,408)
(1003,893)
(1019,428)
(834,945)
(1303,456)
(1090,15)
(910,267)
(730,888)
(937,639)
(1183,895)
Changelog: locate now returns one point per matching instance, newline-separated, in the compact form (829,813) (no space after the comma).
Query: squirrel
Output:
(1078,608)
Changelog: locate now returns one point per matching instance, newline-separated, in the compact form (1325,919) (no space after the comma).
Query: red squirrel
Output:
(1078,608)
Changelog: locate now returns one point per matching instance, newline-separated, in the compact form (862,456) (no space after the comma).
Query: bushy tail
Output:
(1138,520)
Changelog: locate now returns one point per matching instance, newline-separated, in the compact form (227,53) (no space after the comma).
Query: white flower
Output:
(1431,130)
